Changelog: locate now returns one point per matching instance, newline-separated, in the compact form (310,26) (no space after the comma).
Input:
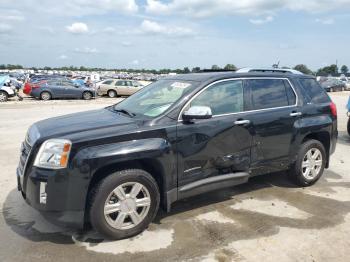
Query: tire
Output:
(3,96)
(46,96)
(87,95)
(112,93)
(348,127)
(126,212)
(298,173)
(331,89)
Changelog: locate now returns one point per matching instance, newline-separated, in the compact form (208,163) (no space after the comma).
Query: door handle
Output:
(295,114)
(242,122)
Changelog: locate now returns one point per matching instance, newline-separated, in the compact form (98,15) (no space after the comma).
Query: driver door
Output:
(217,146)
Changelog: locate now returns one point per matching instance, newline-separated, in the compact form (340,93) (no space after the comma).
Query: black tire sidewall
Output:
(296,172)
(105,187)
(348,126)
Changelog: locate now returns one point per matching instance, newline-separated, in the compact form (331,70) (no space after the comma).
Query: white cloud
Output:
(265,20)
(207,8)
(126,44)
(108,29)
(135,62)
(63,57)
(11,15)
(325,21)
(78,28)
(5,28)
(86,50)
(74,8)
(151,27)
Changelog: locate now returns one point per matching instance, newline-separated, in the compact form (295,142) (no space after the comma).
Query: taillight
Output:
(333,108)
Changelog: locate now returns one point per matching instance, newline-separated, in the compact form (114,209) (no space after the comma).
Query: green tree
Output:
(344,69)
(187,70)
(328,70)
(215,67)
(303,68)
(196,69)
(230,67)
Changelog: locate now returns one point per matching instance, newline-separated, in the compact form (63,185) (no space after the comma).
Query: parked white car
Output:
(6,92)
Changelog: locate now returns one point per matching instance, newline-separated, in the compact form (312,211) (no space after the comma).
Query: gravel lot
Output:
(267,219)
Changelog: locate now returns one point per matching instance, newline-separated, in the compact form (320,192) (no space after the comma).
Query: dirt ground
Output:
(267,219)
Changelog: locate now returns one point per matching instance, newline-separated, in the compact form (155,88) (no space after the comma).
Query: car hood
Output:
(92,122)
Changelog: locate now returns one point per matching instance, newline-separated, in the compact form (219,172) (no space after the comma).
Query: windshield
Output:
(153,100)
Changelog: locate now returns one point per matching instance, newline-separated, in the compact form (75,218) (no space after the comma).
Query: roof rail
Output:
(269,70)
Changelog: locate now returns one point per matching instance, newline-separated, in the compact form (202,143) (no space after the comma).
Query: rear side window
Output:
(270,93)
(314,91)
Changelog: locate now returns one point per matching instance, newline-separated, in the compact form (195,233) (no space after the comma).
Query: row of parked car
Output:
(58,87)
(334,85)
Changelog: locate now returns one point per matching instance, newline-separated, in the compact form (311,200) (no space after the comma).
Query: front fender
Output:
(91,159)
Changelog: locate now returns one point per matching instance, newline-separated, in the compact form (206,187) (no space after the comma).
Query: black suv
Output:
(179,137)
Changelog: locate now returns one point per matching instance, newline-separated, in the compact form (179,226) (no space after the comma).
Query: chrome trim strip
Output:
(249,111)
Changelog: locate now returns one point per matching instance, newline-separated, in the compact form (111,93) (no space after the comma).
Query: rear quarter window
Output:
(313,90)
(269,93)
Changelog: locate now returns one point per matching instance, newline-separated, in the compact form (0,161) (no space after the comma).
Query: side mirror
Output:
(197,112)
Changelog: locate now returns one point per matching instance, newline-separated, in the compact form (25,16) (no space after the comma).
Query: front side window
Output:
(268,93)
(222,98)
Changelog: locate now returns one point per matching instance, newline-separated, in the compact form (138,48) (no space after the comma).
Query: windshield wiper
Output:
(125,112)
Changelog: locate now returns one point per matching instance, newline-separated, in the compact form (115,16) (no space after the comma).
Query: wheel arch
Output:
(152,166)
(324,138)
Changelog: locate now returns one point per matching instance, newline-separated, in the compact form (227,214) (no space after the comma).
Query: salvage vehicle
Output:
(333,85)
(6,90)
(118,87)
(61,89)
(176,138)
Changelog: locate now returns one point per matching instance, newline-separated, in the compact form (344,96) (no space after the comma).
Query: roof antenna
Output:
(276,65)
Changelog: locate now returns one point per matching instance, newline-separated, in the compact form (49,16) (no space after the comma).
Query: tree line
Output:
(325,71)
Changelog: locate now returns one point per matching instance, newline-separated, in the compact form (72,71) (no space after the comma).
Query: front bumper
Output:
(49,192)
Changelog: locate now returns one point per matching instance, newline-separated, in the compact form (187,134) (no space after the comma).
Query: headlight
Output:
(53,154)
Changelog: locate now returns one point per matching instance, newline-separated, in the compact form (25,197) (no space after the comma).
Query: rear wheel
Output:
(87,95)
(310,163)
(349,126)
(124,203)
(3,96)
(45,96)
(112,93)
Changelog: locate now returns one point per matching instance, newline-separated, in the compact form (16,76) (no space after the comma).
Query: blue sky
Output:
(174,33)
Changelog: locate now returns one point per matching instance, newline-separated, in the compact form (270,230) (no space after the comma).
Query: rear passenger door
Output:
(273,113)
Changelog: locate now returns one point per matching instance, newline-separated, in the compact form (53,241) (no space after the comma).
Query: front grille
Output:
(25,151)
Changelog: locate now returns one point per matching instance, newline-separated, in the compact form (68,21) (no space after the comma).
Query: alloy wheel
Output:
(312,163)
(3,97)
(127,205)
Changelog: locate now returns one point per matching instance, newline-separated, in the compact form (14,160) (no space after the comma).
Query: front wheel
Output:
(349,126)
(87,95)
(124,203)
(3,96)
(310,163)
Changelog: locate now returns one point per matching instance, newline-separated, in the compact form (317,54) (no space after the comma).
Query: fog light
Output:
(43,194)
